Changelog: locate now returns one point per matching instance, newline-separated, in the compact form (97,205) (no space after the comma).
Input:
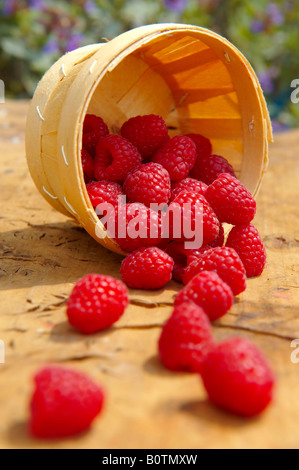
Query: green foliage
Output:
(35,33)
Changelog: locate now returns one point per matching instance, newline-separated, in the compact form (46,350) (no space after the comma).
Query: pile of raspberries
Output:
(147,167)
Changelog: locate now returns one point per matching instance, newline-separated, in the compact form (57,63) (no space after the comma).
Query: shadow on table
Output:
(154,366)
(205,411)
(19,436)
(63,332)
(51,254)
(201,410)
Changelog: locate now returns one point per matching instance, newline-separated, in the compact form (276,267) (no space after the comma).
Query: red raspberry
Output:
(104,191)
(96,302)
(231,201)
(238,378)
(227,264)
(64,403)
(87,165)
(203,146)
(178,156)
(147,268)
(247,242)
(90,141)
(186,338)
(150,183)
(93,123)
(135,226)
(188,184)
(208,291)
(209,167)
(147,133)
(196,254)
(179,254)
(186,207)
(94,129)
(115,158)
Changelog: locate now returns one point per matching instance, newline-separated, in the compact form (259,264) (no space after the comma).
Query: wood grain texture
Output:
(43,253)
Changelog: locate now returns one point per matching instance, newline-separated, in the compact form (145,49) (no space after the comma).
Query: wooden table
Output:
(43,254)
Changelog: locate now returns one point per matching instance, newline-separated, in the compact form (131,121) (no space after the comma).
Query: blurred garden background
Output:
(35,33)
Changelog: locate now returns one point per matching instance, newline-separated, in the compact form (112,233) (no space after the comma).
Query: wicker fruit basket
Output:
(194,78)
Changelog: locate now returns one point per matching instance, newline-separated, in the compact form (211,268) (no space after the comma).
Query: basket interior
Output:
(184,80)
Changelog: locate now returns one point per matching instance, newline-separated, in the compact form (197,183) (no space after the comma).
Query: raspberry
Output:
(178,156)
(104,191)
(90,141)
(150,183)
(208,167)
(135,226)
(203,146)
(115,158)
(96,302)
(231,201)
(179,254)
(64,403)
(188,184)
(189,206)
(227,264)
(238,378)
(186,338)
(147,133)
(93,123)
(87,165)
(94,129)
(208,291)
(196,254)
(147,268)
(247,242)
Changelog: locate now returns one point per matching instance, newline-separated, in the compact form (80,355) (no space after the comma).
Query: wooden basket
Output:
(194,78)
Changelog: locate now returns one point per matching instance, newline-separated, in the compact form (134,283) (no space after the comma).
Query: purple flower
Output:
(74,41)
(257,26)
(275,15)
(36,4)
(90,7)
(8,8)
(177,6)
(278,126)
(266,81)
(51,46)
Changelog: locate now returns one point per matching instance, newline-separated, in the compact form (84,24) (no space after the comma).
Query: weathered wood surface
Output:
(43,253)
